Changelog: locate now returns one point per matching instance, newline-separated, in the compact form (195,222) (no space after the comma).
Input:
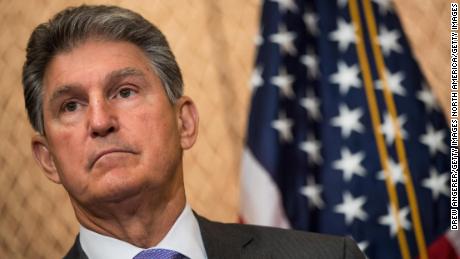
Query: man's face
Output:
(110,129)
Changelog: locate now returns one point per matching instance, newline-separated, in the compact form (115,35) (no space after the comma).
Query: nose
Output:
(102,119)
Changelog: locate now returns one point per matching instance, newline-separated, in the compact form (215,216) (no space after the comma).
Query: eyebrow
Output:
(63,90)
(109,80)
(117,75)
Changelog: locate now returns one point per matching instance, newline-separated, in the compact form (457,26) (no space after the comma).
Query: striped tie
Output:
(159,253)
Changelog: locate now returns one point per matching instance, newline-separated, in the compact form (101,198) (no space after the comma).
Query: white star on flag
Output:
(313,192)
(348,120)
(350,164)
(256,78)
(428,99)
(434,140)
(285,39)
(313,148)
(283,125)
(388,40)
(311,22)
(285,5)
(437,183)
(363,245)
(346,77)
(284,82)
(311,103)
(310,60)
(342,3)
(352,208)
(385,6)
(390,221)
(344,35)
(394,82)
(395,170)
(388,129)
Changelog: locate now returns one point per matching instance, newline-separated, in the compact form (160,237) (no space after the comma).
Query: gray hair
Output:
(74,25)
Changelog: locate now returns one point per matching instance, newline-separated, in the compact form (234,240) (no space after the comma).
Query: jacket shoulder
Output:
(282,243)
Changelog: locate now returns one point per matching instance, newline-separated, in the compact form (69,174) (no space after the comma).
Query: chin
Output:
(117,186)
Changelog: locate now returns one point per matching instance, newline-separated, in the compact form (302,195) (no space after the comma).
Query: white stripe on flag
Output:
(260,198)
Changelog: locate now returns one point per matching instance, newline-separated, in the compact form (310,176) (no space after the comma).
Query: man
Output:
(105,95)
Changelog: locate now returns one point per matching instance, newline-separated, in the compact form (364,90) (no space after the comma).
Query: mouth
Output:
(92,161)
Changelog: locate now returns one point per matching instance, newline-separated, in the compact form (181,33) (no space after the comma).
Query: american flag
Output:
(344,135)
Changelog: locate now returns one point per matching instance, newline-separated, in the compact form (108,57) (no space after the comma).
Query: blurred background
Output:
(214,44)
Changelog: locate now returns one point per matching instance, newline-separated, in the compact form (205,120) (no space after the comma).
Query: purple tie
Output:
(159,253)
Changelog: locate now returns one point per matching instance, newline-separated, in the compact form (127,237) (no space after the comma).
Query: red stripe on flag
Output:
(442,249)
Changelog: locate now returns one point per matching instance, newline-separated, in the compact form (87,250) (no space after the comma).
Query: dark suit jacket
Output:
(232,241)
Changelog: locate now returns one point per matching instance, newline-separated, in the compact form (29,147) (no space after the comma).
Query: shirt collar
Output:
(183,237)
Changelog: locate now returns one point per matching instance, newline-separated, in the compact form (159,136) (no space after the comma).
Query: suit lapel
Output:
(219,241)
(76,252)
(228,241)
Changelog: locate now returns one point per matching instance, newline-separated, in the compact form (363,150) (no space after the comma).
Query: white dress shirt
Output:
(183,237)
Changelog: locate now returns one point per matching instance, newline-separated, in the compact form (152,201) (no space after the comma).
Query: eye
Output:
(125,93)
(70,106)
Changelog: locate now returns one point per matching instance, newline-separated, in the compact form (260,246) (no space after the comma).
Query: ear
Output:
(44,157)
(187,121)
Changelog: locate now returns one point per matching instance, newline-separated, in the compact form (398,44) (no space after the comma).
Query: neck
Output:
(142,220)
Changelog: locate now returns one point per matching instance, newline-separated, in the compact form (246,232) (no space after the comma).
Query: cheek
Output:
(162,133)
(69,155)
(161,137)
(68,142)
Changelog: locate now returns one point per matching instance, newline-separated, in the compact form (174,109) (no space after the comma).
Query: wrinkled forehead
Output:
(95,60)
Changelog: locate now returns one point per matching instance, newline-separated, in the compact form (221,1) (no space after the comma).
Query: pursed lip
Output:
(94,158)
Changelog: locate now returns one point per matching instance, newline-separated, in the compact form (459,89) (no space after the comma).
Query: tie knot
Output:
(159,253)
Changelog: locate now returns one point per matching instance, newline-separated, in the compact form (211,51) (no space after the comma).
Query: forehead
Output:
(91,61)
